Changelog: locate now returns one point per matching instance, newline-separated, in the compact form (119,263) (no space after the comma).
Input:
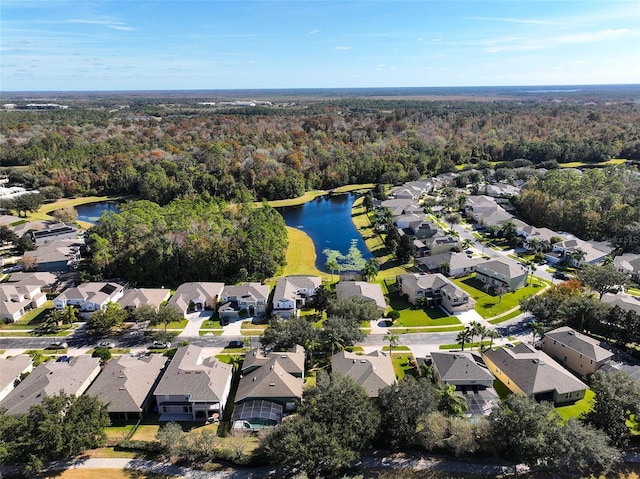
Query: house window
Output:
(591,361)
(164,408)
(564,358)
(581,356)
(555,342)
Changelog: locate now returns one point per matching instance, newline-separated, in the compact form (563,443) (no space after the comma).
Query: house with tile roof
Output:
(133,298)
(270,387)
(373,371)
(525,370)
(432,290)
(196,296)
(90,297)
(576,351)
(193,387)
(72,376)
(126,385)
(244,300)
(10,371)
(364,290)
(292,293)
(468,373)
(628,263)
(502,272)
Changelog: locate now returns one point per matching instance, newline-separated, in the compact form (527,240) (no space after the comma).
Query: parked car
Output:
(58,345)
(106,344)
(510,345)
(235,344)
(62,359)
(561,275)
(160,345)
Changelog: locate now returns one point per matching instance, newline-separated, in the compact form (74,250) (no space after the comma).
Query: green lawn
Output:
(505,317)
(489,305)
(502,390)
(30,319)
(300,256)
(173,325)
(402,364)
(467,346)
(576,409)
(435,329)
(211,324)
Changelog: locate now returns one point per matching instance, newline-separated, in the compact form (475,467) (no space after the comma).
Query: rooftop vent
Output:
(272,384)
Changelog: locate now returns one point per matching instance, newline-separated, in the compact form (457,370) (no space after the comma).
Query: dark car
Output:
(560,275)
(58,345)
(235,344)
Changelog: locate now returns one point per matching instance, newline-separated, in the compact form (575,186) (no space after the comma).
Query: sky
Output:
(84,45)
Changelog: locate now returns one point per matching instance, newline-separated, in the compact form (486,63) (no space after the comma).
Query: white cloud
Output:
(515,44)
(314,32)
(342,48)
(107,23)
(526,21)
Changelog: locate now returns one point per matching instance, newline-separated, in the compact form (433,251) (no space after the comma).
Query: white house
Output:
(292,293)
(90,297)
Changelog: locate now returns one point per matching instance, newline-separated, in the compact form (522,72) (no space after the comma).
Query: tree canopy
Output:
(188,240)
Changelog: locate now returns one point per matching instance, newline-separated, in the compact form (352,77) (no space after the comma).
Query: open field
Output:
(301,256)
(578,164)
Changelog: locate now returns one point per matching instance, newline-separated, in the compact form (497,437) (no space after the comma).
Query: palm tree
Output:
(577,256)
(333,266)
(467,243)
(450,402)
(493,334)
(508,230)
(500,291)
(532,268)
(310,346)
(474,328)
(70,314)
(482,332)
(333,342)
(370,269)
(393,341)
(536,330)
(463,337)
(445,267)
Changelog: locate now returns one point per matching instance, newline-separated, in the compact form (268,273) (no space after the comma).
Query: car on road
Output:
(106,344)
(561,275)
(510,345)
(468,251)
(160,345)
(235,344)
(58,345)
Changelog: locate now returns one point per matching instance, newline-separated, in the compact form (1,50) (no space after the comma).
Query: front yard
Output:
(489,305)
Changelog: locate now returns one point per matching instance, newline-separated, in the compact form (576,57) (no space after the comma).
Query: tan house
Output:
(373,371)
(292,293)
(576,351)
(433,290)
(244,300)
(525,370)
(90,297)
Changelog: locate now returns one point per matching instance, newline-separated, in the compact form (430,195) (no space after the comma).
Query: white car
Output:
(106,344)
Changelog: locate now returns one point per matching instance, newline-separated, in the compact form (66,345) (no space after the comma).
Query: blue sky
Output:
(187,44)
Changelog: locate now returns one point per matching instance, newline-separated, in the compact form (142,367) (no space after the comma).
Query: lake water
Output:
(327,220)
(91,212)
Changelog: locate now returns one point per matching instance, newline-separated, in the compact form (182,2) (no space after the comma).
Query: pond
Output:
(327,221)
(91,212)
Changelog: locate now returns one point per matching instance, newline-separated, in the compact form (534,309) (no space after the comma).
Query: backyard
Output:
(489,305)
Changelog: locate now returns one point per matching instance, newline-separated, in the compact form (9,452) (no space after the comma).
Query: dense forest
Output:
(162,151)
(187,240)
(598,203)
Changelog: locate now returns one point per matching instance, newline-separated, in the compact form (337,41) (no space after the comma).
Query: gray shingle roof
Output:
(292,361)
(460,366)
(11,368)
(190,374)
(373,371)
(270,381)
(361,289)
(187,292)
(137,297)
(49,379)
(585,345)
(126,382)
(505,267)
(533,371)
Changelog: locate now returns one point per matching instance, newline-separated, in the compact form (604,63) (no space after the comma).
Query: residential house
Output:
(247,299)
(72,376)
(270,387)
(11,370)
(90,297)
(457,264)
(399,207)
(591,252)
(499,190)
(468,373)
(54,231)
(198,296)
(625,301)
(577,352)
(292,293)
(525,370)
(421,229)
(48,282)
(628,263)
(373,371)
(404,221)
(135,297)
(193,387)
(502,272)
(126,383)
(59,255)
(18,298)
(434,290)
(441,243)
(364,290)
(409,192)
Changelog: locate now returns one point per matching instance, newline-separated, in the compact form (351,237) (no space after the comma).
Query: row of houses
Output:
(190,387)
